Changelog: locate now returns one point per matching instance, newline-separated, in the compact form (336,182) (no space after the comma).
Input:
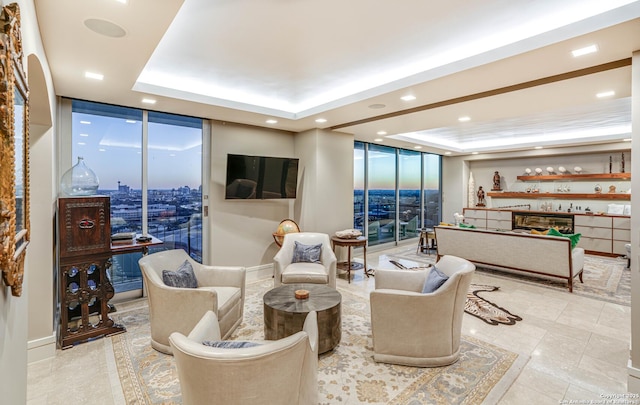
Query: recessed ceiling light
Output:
(122,1)
(377,106)
(94,76)
(130,121)
(408,97)
(474,153)
(85,122)
(464,119)
(627,139)
(378,140)
(321,120)
(102,150)
(148,101)
(538,147)
(447,153)
(271,121)
(84,134)
(584,51)
(606,94)
(381,132)
(417,147)
(81,143)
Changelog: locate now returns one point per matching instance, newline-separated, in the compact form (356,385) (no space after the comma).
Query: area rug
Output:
(605,278)
(346,374)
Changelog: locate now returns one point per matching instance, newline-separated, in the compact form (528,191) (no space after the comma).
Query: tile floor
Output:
(577,348)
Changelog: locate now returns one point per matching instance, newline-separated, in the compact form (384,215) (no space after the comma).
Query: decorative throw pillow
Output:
(536,232)
(230,344)
(463,225)
(434,280)
(183,277)
(306,253)
(574,237)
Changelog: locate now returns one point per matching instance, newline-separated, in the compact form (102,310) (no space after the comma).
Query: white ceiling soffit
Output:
(267,62)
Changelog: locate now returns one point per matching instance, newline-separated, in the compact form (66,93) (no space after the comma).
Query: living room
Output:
(240,233)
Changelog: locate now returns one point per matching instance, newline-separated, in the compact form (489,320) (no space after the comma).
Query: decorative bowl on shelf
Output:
(577,169)
(527,170)
(550,170)
(538,170)
(562,169)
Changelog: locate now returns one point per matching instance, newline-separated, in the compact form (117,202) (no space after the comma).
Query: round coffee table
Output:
(284,314)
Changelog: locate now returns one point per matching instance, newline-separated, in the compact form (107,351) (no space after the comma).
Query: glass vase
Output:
(80,180)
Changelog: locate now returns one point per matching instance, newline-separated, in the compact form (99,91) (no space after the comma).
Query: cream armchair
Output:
(276,372)
(416,329)
(220,289)
(286,272)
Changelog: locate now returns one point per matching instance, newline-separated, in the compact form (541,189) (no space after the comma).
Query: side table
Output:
(348,266)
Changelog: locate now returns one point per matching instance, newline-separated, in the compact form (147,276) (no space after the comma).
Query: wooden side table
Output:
(348,266)
(427,238)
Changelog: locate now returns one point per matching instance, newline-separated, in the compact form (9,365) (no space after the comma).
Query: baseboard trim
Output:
(41,349)
(261,272)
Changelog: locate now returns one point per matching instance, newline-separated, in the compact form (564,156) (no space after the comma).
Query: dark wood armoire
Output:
(84,248)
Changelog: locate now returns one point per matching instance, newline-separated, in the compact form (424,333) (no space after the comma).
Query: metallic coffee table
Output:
(284,314)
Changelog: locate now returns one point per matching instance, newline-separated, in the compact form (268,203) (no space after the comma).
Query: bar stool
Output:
(426,235)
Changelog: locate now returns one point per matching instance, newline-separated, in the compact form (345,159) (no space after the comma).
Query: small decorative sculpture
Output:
(612,189)
(496,181)
(480,195)
(527,170)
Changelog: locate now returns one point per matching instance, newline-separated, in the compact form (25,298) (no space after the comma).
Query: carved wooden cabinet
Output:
(84,231)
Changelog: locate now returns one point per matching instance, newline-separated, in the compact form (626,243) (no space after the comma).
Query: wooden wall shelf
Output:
(565,196)
(585,176)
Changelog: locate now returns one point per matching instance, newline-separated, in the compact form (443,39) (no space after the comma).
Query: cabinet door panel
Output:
(622,223)
(593,232)
(596,245)
(592,220)
(479,223)
(500,215)
(618,247)
(622,235)
(495,224)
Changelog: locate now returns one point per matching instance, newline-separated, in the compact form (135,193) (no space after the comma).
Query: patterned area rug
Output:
(346,375)
(605,278)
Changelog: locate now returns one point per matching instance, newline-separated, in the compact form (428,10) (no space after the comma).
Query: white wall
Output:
(16,312)
(241,230)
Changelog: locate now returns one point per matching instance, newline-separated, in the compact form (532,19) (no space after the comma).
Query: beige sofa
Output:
(547,256)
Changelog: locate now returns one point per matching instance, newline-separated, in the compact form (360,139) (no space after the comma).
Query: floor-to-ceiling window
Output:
(396,192)
(381,181)
(114,142)
(409,168)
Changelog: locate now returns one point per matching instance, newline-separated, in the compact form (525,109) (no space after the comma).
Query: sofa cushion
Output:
(306,253)
(463,225)
(434,280)
(575,237)
(182,277)
(230,344)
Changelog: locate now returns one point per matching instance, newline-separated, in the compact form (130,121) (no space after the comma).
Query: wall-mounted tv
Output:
(261,177)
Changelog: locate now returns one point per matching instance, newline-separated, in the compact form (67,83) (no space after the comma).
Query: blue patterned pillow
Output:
(434,280)
(306,253)
(230,344)
(183,277)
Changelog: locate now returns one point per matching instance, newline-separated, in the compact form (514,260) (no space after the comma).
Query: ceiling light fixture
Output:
(122,1)
(606,94)
(130,121)
(321,120)
(378,140)
(84,134)
(417,147)
(538,147)
(584,51)
(85,122)
(447,153)
(381,132)
(474,153)
(94,76)
(464,119)
(81,143)
(102,150)
(627,139)
(408,97)
(271,121)
(148,101)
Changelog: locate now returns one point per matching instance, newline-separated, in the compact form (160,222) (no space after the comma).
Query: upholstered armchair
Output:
(172,309)
(419,329)
(288,272)
(276,372)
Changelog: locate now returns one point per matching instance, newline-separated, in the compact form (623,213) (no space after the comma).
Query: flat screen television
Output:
(261,177)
